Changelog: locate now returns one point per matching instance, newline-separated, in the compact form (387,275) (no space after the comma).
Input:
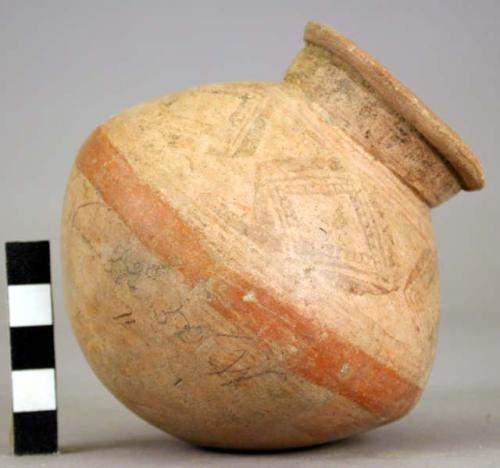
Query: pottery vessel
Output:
(251,265)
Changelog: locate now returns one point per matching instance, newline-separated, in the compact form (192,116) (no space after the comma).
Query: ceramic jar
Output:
(251,265)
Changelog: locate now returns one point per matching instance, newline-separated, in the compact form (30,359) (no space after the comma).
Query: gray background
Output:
(66,66)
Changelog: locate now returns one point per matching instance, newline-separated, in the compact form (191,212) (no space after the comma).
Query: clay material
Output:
(251,265)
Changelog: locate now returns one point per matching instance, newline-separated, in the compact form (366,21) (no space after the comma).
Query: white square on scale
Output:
(33,390)
(30,305)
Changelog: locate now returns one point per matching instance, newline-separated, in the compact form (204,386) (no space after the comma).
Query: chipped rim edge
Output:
(399,97)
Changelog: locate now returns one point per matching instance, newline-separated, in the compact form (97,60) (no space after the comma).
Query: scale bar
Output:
(34,402)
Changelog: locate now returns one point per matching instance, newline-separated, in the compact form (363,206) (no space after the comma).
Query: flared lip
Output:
(451,147)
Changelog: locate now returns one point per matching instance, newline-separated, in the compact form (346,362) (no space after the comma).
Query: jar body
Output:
(242,274)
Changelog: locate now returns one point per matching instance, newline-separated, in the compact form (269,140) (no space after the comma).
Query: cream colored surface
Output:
(229,194)
(312,190)
(169,381)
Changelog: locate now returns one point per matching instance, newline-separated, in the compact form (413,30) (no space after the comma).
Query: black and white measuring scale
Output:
(31,323)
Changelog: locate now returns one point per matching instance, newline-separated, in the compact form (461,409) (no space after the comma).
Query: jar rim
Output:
(445,140)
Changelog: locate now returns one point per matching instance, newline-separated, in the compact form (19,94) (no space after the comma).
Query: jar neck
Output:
(361,112)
